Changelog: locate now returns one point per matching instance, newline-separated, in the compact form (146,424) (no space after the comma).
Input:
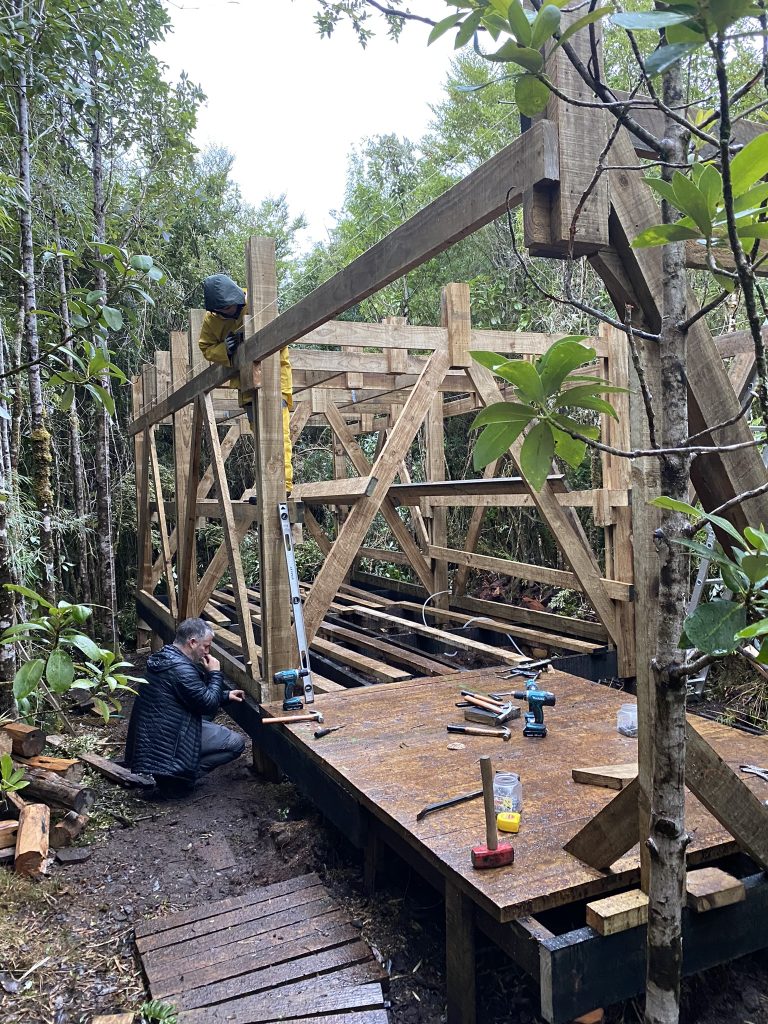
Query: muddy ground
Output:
(71,935)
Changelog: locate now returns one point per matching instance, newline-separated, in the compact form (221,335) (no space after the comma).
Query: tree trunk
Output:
(82,588)
(668,840)
(108,613)
(7,604)
(14,359)
(40,437)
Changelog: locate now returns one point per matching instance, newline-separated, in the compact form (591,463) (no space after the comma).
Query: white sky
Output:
(291,106)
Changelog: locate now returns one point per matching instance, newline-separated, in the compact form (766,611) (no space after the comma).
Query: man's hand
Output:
(237,695)
(231,342)
(210,664)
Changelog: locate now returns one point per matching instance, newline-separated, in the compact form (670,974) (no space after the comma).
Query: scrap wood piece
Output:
(116,772)
(115,1018)
(68,768)
(68,829)
(709,888)
(26,739)
(610,776)
(8,830)
(13,804)
(619,912)
(613,830)
(49,788)
(73,855)
(32,840)
(6,742)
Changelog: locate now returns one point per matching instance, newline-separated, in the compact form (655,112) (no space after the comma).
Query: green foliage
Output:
(546,393)
(156,1011)
(11,778)
(60,656)
(719,626)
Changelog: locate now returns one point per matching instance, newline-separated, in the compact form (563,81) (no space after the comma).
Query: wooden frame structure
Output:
(395,391)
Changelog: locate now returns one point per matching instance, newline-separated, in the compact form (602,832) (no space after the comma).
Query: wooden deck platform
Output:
(281,952)
(394,756)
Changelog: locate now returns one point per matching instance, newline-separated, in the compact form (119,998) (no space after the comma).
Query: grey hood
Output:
(219,291)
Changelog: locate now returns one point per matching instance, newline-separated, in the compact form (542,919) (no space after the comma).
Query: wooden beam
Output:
(474,529)
(709,888)
(467,206)
(335,492)
(617,913)
(165,548)
(143,537)
(250,660)
(188,584)
(353,531)
(525,570)
(613,830)
(182,429)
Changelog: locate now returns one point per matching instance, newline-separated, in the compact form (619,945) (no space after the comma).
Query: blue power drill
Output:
(534,716)
(290,678)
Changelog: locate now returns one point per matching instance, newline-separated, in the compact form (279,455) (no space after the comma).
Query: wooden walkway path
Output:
(282,952)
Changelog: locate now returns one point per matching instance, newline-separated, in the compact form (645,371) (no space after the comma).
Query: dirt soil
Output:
(66,944)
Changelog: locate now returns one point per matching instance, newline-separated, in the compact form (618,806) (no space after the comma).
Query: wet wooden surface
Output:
(393,756)
(282,951)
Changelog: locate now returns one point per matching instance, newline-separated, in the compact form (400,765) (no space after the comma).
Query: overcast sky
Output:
(290,105)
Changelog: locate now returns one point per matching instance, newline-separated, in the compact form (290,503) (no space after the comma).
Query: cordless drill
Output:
(290,678)
(534,716)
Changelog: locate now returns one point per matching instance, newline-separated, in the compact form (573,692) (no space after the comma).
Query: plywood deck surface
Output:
(393,757)
(281,952)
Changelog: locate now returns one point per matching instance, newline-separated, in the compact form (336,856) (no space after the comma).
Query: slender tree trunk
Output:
(668,839)
(40,437)
(17,409)
(83,587)
(108,613)
(7,604)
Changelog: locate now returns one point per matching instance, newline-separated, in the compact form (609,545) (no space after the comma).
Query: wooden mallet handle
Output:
(486,772)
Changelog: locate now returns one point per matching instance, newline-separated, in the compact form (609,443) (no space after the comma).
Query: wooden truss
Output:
(361,378)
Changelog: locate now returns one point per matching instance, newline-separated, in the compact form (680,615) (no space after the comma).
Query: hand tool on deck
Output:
(481,716)
(310,716)
(503,711)
(319,733)
(290,678)
(477,730)
(303,674)
(430,808)
(534,716)
(494,854)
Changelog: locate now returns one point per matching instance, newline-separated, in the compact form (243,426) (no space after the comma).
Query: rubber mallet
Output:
(494,854)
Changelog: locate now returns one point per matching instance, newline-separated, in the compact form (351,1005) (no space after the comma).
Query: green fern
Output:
(157,1011)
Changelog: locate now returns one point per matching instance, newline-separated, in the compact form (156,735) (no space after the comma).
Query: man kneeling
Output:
(168,737)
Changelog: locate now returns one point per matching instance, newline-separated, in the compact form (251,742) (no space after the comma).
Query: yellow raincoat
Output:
(213,333)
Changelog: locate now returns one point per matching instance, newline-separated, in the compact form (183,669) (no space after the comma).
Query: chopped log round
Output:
(68,829)
(52,790)
(27,741)
(32,840)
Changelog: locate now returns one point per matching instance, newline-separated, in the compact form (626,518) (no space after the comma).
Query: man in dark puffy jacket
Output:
(168,737)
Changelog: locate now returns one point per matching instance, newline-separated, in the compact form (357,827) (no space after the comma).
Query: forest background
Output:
(109,221)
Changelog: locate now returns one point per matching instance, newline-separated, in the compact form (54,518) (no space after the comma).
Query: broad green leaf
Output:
(524,376)
(726,12)
(65,403)
(750,164)
(726,527)
(568,423)
(536,455)
(735,580)
(112,317)
(704,552)
(757,538)
(503,412)
(762,656)
(102,707)
(751,199)
(637,21)
(440,28)
(92,298)
(673,505)
(663,188)
(595,386)
(569,449)
(757,230)
(688,32)
(711,186)
(661,234)
(756,629)
(666,56)
(103,396)
(467,29)
(546,24)
(109,250)
(692,202)
(590,402)
(494,441)
(577,26)
(555,365)
(519,23)
(32,595)
(143,263)
(156,274)
(512,53)
(27,678)
(755,567)
(84,643)
(59,672)
(713,627)
(531,95)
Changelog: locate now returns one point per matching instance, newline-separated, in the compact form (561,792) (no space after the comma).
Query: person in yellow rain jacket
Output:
(222,331)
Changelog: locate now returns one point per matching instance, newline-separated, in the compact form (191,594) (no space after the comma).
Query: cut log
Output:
(6,743)
(68,829)
(32,840)
(27,741)
(116,772)
(8,830)
(52,790)
(65,767)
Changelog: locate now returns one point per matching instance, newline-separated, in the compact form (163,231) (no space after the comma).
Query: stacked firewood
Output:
(51,811)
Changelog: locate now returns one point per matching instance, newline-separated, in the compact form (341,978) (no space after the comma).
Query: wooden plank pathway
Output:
(282,952)
(394,756)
